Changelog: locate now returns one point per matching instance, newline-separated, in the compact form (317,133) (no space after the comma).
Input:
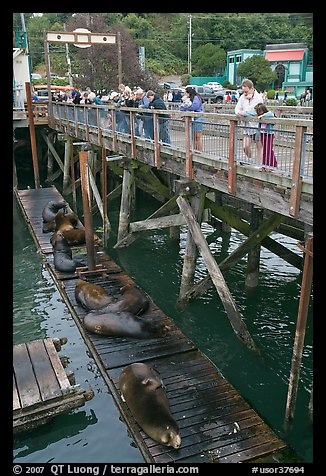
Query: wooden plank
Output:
(57,367)
(46,378)
(16,402)
(157,223)
(27,387)
(230,307)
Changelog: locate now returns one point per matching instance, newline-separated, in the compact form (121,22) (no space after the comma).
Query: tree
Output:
(258,69)
(208,58)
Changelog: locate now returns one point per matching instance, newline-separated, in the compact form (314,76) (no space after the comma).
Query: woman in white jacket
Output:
(247,101)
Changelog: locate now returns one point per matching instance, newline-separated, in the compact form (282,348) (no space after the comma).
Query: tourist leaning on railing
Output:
(193,102)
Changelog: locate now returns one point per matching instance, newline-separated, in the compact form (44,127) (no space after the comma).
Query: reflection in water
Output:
(62,426)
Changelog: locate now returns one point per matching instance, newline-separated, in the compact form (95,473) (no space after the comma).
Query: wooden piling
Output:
(230,307)
(66,166)
(191,251)
(72,173)
(252,274)
(299,333)
(124,217)
(32,134)
(87,209)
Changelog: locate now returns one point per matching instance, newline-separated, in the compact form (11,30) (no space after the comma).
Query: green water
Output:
(95,432)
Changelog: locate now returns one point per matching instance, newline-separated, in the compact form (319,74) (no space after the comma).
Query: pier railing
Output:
(222,135)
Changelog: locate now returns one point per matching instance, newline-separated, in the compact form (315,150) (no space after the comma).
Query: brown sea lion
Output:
(142,390)
(75,236)
(51,208)
(122,324)
(91,296)
(65,221)
(133,300)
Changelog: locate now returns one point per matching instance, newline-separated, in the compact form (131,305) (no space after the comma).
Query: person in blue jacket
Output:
(155,102)
(193,102)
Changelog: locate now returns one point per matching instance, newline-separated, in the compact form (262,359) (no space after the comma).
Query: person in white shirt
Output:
(248,100)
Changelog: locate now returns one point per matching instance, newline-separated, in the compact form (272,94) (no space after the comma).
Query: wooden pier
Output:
(41,387)
(216,423)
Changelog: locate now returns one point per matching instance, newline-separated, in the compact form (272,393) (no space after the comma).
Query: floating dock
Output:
(41,387)
(216,423)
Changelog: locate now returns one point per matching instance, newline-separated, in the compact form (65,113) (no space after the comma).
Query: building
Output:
(289,60)
(21,71)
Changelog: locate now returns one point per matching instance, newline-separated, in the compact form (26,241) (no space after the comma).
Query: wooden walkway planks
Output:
(41,388)
(216,423)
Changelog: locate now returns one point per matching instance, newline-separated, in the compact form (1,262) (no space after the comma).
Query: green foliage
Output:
(227,85)
(271,94)
(258,69)
(208,58)
(165,37)
(291,102)
(185,79)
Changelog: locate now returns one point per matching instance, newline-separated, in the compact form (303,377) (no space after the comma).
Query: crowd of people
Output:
(250,103)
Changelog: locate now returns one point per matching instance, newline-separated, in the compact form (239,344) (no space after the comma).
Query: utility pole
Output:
(24,30)
(119,58)
(189,46)
(68,61)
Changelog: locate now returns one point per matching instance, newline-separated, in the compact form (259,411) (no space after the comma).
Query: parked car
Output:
(214,85)
(171,85)
(208,94)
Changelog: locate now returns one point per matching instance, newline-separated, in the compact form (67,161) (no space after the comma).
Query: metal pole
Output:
(32,134)
(119,58)
(48,79)
(24,30)
(299,332)
(68,60)
(87,209)
(190,35)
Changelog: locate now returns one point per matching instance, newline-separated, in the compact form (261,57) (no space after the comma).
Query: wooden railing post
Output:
(189,169)
(132,136)
(114,135)
(232,170)
(157,156)
(296,176)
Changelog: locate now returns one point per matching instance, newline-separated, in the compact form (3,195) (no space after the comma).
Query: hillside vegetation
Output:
(165,38)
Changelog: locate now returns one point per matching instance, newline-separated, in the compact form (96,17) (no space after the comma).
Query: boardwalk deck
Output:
(216,423)
(41,387)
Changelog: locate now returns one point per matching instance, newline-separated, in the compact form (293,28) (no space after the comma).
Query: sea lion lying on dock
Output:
(65,221)
(91,296)
(122,324)
(142,390)
(133,300)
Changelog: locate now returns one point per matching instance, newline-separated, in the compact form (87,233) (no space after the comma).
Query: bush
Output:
(291,102)
(271,94)
(185,79)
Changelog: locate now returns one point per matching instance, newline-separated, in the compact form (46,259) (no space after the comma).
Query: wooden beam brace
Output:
(157,223)
(224,214)
(164,209)
(228,302)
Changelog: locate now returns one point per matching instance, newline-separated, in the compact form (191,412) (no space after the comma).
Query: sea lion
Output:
(91,296)
(122,324)
(75,237)
(142,390)
(65,221)
(133,300)
(51,208)
(62,254)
